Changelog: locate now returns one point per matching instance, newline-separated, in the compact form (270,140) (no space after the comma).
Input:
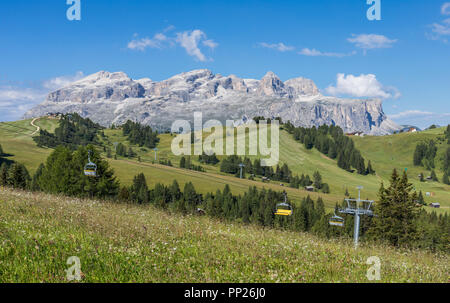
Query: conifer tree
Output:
(18,176)
(433,176)
(396,213)
(183,162)
(190,197)
(445,178)
(175,191)
(4,174)
(317,180)
(420,198)
(139,189)
(35,181)
(369,170)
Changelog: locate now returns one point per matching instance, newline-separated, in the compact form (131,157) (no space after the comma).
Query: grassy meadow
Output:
(132,243)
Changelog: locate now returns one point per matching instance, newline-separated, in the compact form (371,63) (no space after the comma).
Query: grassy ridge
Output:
(129,243)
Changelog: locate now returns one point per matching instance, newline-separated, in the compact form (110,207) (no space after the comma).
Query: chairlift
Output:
(336,220)
(284,209)
(90,169)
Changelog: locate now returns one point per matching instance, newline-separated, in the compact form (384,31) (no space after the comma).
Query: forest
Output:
(72,131)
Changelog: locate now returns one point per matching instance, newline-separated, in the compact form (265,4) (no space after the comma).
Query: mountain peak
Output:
(271,85)
(270,75)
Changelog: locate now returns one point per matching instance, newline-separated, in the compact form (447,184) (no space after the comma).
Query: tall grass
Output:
(131,243)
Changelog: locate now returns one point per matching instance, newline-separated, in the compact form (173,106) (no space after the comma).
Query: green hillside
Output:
(385,153)
(150,245)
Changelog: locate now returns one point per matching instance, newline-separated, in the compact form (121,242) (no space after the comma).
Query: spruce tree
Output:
(64,173)
(35,181)
(175,191)
(370,170)
(183,162)
(433,176)
(396,213)
(421,199)
(4,174)
(19,176)
(190,197)
(139,189)
(317,180)
(445,179)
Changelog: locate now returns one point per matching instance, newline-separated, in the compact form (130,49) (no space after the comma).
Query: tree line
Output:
(332,142)
(283,173)
(72,131)
(139,134)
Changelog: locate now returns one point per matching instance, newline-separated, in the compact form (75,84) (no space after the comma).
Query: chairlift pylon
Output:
(90,169)
(284,209)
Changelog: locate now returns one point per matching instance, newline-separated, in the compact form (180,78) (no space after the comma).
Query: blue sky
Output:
(404,58)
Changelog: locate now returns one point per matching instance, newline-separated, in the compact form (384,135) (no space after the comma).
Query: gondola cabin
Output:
(336,221)
(90,170)
(283,209)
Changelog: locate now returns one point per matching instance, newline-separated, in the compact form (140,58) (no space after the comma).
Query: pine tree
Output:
(190,197)
(18,176)
(64,173)
(139,189)
(131,153)
(124,194)
(370,170)
(317,180)
(421,177)
(433,176)
(325,188)
(175,191)
(347,194)
(421,199)
(396,213)
(445,179)
(4,174)
(183,162)
(35,181)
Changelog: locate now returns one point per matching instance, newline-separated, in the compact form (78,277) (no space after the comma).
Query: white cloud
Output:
(141,44)
(278,46)
(363,86)
(371,41)
(210,43)
(169,28)
(421,118)
(189,40)
(316,53)
(445,9)
(439,31)
(16,99)
(62,81)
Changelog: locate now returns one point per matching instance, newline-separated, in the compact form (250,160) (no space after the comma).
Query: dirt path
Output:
(37,127)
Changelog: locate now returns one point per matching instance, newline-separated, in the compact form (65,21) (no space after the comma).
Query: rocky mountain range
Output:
(109,98)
